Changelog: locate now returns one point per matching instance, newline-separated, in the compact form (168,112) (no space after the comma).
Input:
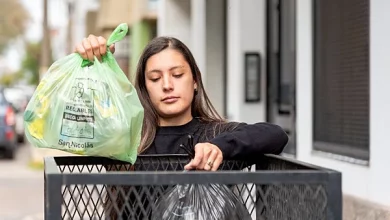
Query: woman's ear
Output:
(195,89)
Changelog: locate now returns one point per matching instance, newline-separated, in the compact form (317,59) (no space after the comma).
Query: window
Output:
(341,77)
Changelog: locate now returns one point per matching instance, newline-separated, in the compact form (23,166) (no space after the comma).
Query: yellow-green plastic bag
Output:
(86,108)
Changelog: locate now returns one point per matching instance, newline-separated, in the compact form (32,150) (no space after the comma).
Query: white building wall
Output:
(174,19)
(198,35)
(58,21)
(234,92)
(215,53)
(367,182)
(379,180)
(246,33)
(79,18)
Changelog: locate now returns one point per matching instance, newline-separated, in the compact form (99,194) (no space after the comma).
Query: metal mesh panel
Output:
(264,202)
(274,201)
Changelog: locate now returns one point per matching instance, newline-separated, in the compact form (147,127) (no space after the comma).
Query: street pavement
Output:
(21,188)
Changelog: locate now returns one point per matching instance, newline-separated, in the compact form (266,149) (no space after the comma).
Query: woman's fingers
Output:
(80,50)
(207,157)
(206,154)
(88,49)
(217,162)
(211,160)
(95,46)
(102,45)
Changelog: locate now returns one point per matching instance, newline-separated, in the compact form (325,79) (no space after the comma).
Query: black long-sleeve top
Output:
(236,140)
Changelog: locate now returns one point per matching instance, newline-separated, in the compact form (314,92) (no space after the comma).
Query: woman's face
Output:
(170,85)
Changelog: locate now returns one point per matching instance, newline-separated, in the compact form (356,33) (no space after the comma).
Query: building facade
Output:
(78,12)
(140,15)
(315,67)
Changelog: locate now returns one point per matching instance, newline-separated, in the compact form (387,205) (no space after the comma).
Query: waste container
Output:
(271,187)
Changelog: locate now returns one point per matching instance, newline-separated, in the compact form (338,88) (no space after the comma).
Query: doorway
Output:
(281,71)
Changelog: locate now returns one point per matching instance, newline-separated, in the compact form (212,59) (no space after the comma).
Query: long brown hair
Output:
(201,106)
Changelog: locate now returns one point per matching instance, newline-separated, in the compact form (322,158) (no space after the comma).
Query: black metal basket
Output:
(273,188)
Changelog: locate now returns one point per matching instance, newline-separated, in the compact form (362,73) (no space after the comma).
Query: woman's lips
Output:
(170,99)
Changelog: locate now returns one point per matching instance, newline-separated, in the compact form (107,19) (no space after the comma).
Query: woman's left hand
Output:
(207,157)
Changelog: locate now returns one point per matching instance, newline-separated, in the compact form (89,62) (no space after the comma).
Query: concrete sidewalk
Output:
(357,209)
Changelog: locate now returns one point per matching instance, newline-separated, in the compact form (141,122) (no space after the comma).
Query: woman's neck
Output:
(175,121)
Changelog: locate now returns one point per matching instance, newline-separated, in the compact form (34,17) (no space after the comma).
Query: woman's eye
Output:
(178,75)
(154,79)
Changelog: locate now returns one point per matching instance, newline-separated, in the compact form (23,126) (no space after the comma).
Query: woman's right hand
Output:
(93,46)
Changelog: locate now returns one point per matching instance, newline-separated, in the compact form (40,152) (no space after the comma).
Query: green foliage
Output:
(29,67)
(8,79)
(31,62)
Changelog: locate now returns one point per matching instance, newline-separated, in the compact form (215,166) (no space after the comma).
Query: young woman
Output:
(169,84)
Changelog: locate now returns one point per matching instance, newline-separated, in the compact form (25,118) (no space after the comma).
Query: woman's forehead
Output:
(166,60)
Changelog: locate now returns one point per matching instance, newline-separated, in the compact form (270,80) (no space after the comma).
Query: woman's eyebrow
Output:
(159,71)
(175,67)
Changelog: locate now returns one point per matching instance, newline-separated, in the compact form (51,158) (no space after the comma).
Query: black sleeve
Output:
(251,140)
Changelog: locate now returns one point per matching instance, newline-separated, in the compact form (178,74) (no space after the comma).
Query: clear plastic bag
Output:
(86,108)
(200,202)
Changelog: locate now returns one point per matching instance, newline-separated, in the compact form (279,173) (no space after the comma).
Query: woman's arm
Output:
(248,140)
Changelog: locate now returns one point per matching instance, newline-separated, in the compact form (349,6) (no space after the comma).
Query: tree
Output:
(13,21)
(31,62)
(29,70)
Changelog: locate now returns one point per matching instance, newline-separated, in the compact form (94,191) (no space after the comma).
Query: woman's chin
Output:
(173,113)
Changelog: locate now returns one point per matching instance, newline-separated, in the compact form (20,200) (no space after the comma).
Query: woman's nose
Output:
(167,83)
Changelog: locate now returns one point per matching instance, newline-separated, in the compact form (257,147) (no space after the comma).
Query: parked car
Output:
(18,97)
(8,139)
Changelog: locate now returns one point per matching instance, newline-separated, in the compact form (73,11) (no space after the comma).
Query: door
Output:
(281,67)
